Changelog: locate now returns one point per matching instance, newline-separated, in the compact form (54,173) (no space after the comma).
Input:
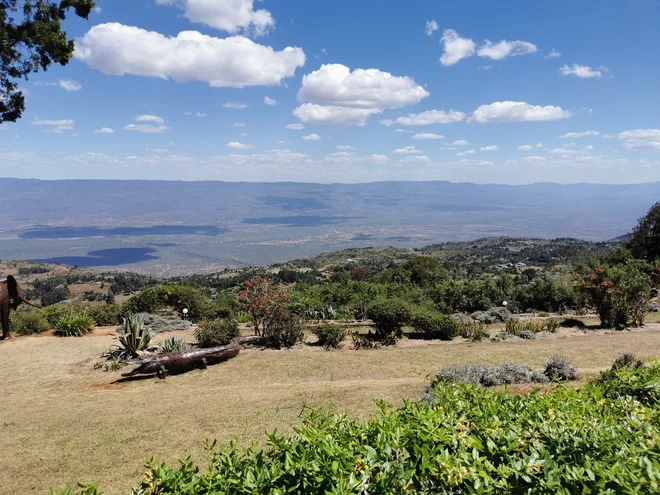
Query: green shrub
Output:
(282,328)
(468,440)
(134,338)
(435,325)
(216,332)
(106,315)
(28,322)
(55,312)
(389,317)
(74,325)
(527,335)
(629,361)
(558,368)
(641,383)
(544,314)
(81,489)
(330,336)
(173,344)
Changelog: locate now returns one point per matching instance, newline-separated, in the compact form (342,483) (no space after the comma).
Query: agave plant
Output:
(330,313)
(134,338)
(173,344)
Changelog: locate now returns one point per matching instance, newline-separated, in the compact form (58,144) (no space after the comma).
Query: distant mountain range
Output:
(179,227)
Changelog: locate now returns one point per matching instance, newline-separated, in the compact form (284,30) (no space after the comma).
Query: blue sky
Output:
(505,92)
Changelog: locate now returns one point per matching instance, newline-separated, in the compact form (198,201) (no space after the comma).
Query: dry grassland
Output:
(62,421)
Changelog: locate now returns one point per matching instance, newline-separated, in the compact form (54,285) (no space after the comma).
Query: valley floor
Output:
(63,421)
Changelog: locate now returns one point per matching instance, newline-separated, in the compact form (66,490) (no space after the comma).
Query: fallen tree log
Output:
(182,361)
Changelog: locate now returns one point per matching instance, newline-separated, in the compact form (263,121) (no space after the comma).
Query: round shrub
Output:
(28,323)
(436,325)
(389,317)
(282,328)
(558,368)
(215,333)
(330,336)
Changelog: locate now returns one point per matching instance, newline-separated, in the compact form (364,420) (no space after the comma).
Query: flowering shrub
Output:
(619,293)
(262,300)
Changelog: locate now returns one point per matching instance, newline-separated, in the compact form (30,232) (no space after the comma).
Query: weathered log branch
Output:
(181,361)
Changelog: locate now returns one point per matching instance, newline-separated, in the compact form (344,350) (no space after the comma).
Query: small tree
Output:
(110,297)
(619,293)
(644,243)
(261,298)
(32,39)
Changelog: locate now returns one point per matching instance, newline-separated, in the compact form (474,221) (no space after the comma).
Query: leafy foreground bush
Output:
(215,333)
(486,376)
(28,322)
(596,439)
(74,325)
(330,336)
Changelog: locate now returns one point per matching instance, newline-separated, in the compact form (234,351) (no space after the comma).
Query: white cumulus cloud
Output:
(232,16)
(235,104)
(239,146)
(270,101)
(467,152)
(427,118)
(345,148)
(553,54)
(104,130)
(573,135)
(460,142)
(525,147)
(431,27)
(336,85)
(150,118)
(490,148)
(456,48)
(427,135)
(516,111)
(503,49)
(414,160)
(333,115)
(408,150)
(235,62)
(336,95)
(56,126)
(312,137)
(295,127)
(641,138)
(155,125)
(582,71)
(70,85)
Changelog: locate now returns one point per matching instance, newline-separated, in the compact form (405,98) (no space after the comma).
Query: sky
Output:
(349,91)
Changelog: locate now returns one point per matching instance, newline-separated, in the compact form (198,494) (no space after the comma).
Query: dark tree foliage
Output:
(31,40)
(54,296)
(644,242)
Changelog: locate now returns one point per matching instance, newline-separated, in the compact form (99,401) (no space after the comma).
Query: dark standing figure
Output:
(11,295)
